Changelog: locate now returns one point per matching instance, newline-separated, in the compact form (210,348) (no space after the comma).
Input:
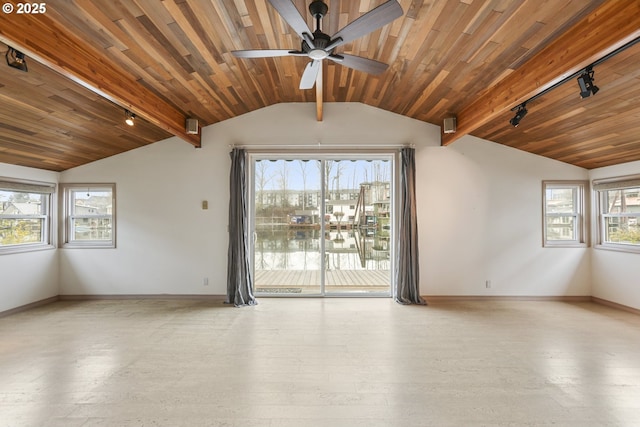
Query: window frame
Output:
(47,236)
(68,215)
(581,219)
(326,207)
(600,188)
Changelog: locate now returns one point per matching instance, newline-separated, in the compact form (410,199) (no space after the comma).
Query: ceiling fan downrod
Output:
(318,10)
(317,46)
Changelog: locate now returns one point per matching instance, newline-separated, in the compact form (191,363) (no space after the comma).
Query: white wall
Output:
(480,205)
(479,208)
(30,276)
(166,243)
(615,275)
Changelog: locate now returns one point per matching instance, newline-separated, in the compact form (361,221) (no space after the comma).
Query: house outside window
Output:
(618,205)
(25,216)
(564,223)
(88,216)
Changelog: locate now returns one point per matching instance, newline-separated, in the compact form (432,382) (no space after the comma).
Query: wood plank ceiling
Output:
(442,53)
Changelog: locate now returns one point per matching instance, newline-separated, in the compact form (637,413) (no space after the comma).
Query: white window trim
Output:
(580,215)
(65,217)
(48,235)
(600,186)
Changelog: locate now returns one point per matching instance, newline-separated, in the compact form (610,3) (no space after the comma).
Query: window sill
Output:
(21,249)
(631,249)
(88,245)
(564,245)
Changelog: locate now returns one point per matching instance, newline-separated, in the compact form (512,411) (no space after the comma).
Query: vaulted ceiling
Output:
(170,60)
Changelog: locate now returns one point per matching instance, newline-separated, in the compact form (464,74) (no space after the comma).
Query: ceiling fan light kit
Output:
(319,46)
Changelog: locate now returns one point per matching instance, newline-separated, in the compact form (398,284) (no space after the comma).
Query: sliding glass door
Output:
(287,231)
(322,225)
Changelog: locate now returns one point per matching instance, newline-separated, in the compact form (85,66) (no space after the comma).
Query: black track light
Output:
(15,59)
(129,117)
(585,81)
(522,111)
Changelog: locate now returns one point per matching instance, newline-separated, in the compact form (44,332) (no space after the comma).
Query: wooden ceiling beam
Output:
(610,26)
(41,38)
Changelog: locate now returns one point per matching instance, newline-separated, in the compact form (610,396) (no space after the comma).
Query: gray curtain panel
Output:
(407,269)
(239,278)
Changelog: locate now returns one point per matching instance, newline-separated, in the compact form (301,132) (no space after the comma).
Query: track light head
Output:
(584,88)
(522,111)
(129,117)
(585,82)
(15,59)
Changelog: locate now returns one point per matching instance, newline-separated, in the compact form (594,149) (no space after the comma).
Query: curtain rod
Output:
(320,146)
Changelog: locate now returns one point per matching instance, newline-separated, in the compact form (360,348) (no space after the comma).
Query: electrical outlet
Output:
(487,283)
(205,281)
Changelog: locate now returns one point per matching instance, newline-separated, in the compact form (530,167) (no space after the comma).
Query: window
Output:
(619,213)
(564,207)
(25,216)
(88,215)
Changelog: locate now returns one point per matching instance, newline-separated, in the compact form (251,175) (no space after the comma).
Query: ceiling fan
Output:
(318,45)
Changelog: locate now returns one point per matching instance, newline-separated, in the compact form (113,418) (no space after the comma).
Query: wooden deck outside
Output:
(308,282)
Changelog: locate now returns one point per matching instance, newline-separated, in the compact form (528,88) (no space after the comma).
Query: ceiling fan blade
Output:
(310,74)
(262,53)
(359,63)
(370,21)
(290,14)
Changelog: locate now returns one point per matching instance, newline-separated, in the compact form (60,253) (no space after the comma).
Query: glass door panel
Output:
(287,251)
(358,226)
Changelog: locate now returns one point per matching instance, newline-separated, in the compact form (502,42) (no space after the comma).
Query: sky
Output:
(344,174)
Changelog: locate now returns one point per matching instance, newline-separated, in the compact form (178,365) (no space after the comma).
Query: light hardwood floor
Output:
(319,362)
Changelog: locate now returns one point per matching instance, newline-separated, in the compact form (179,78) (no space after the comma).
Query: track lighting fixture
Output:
(15,59)
(585,81)
(522,111)
(129,117)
